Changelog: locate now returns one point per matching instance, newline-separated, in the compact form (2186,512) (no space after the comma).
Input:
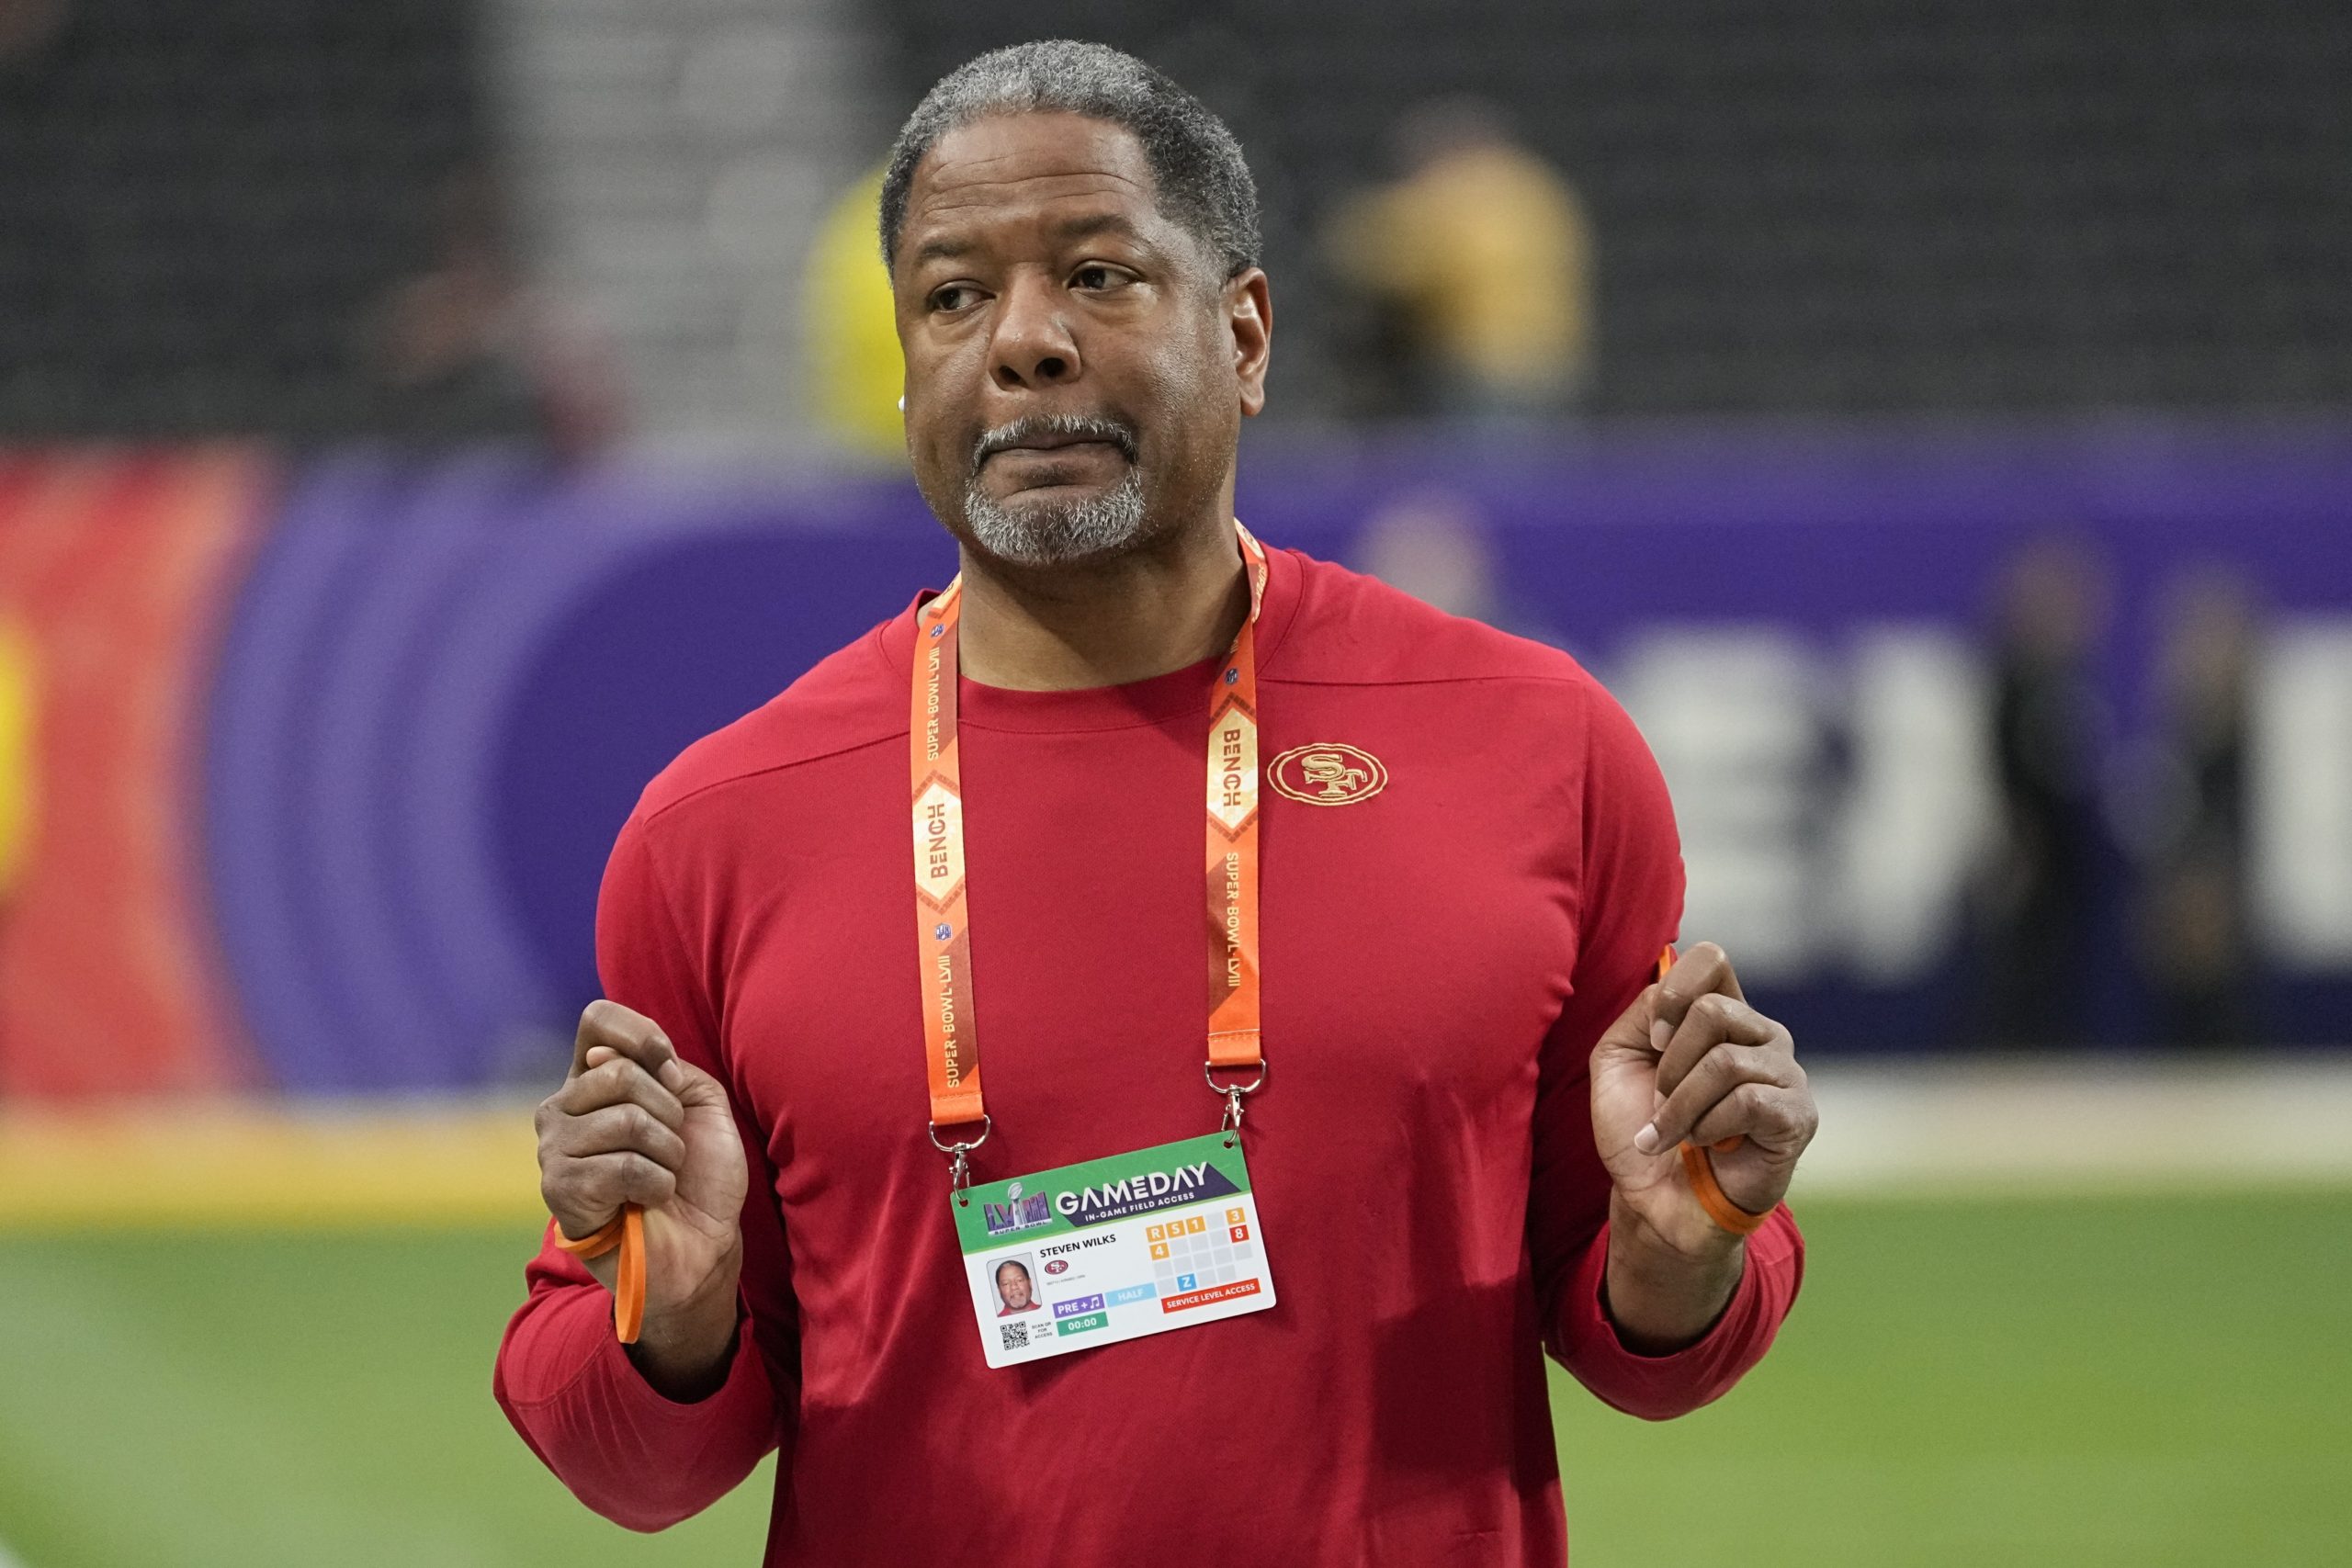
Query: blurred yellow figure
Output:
(15,755)
(1482,250)
(855,373)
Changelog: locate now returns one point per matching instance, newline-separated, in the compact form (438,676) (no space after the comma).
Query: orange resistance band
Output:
(942,920)
(1699,1167)
(625,1231)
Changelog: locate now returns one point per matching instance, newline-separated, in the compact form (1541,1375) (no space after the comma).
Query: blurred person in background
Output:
(2192,917)
(18,709)
(461,352)
(856,369)
(2039,899)
(27,26)
(1477,264)
(1434,545)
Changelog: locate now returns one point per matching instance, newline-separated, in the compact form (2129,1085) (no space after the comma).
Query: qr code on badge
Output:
(1016,1336)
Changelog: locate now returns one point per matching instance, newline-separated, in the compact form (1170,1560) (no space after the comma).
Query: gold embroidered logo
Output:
(1328,772)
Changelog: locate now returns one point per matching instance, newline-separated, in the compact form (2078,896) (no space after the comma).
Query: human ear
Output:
(1249,316)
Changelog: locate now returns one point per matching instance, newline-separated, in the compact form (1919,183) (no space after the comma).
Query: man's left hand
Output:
(1690,1059)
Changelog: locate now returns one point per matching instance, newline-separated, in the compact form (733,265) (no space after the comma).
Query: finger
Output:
(1778,1117)
(698,1087)
(1712,1021)
(694,1087)
(585,1194)
(614,1081)
(1628,1039)
(632,1034)
(1718,1075)
(621,1129)
(1703,971)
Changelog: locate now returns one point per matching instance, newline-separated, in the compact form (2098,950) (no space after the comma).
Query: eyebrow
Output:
(940,249)
(1099,223)
(951,247)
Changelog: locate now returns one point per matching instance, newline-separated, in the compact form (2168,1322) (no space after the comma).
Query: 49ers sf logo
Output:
(1328,772)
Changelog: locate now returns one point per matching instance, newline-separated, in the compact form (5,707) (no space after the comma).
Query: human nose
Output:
(1033,346)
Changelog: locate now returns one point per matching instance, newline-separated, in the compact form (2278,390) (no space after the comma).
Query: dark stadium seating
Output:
(1837,205)
(200,200)
(1815,206)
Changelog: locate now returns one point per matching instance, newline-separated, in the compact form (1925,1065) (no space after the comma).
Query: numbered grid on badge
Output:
(1202,1250)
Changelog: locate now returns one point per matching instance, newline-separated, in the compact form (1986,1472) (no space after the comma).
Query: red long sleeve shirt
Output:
(1440,957)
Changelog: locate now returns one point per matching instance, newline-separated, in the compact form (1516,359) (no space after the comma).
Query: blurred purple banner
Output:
(443,686)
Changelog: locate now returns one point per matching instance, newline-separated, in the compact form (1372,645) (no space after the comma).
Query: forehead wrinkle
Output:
(942,228)
(1027,190)
(1009,138)
(938,161)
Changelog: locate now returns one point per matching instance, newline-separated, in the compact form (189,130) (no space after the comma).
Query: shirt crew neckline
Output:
(1177,694)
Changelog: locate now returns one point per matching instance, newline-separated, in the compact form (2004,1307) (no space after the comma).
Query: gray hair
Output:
(1203,182)
(1055,534)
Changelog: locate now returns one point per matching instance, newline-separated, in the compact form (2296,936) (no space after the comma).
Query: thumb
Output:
(696,1090)
(669,1074)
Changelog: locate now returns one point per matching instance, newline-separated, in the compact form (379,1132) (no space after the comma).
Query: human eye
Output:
(1097,278)
(950,298)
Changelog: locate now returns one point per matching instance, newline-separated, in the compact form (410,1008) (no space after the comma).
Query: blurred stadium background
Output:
(1935,419)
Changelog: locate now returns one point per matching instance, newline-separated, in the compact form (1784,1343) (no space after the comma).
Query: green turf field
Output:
(2125,1381)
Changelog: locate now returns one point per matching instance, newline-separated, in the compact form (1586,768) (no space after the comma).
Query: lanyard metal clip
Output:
(1231,1093)
(959,1162)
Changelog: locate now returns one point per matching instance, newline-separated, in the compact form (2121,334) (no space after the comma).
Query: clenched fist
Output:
(1690,1059)
(633,1124)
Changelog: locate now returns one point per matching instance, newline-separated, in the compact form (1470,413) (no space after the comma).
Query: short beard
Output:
(1056,533)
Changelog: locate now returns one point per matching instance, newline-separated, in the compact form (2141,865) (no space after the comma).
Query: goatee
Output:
(1056,532)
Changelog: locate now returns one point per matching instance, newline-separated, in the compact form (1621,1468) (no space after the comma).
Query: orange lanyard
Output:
(943,919)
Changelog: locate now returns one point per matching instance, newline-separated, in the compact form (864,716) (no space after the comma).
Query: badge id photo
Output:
(1112,1249)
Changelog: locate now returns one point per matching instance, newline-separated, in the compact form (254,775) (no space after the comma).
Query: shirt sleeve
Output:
(1629,904)
(565,1381)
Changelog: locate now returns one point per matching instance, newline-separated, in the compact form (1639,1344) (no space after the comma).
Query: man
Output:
(2041,903)
(1464,1147)
(19,800)
(1479,258)
(1014,1289)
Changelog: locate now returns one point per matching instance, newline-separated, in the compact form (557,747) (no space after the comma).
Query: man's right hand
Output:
(633,1124)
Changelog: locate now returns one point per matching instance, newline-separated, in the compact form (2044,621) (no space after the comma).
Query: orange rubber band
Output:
(1701,1171)
(629,1289)
(596,1243)
(625,1231)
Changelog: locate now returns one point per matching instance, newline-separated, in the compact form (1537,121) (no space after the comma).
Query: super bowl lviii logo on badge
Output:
(1019,1212)
(1328,772)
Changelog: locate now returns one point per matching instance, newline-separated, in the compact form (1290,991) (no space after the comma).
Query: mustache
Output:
(1075,427)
